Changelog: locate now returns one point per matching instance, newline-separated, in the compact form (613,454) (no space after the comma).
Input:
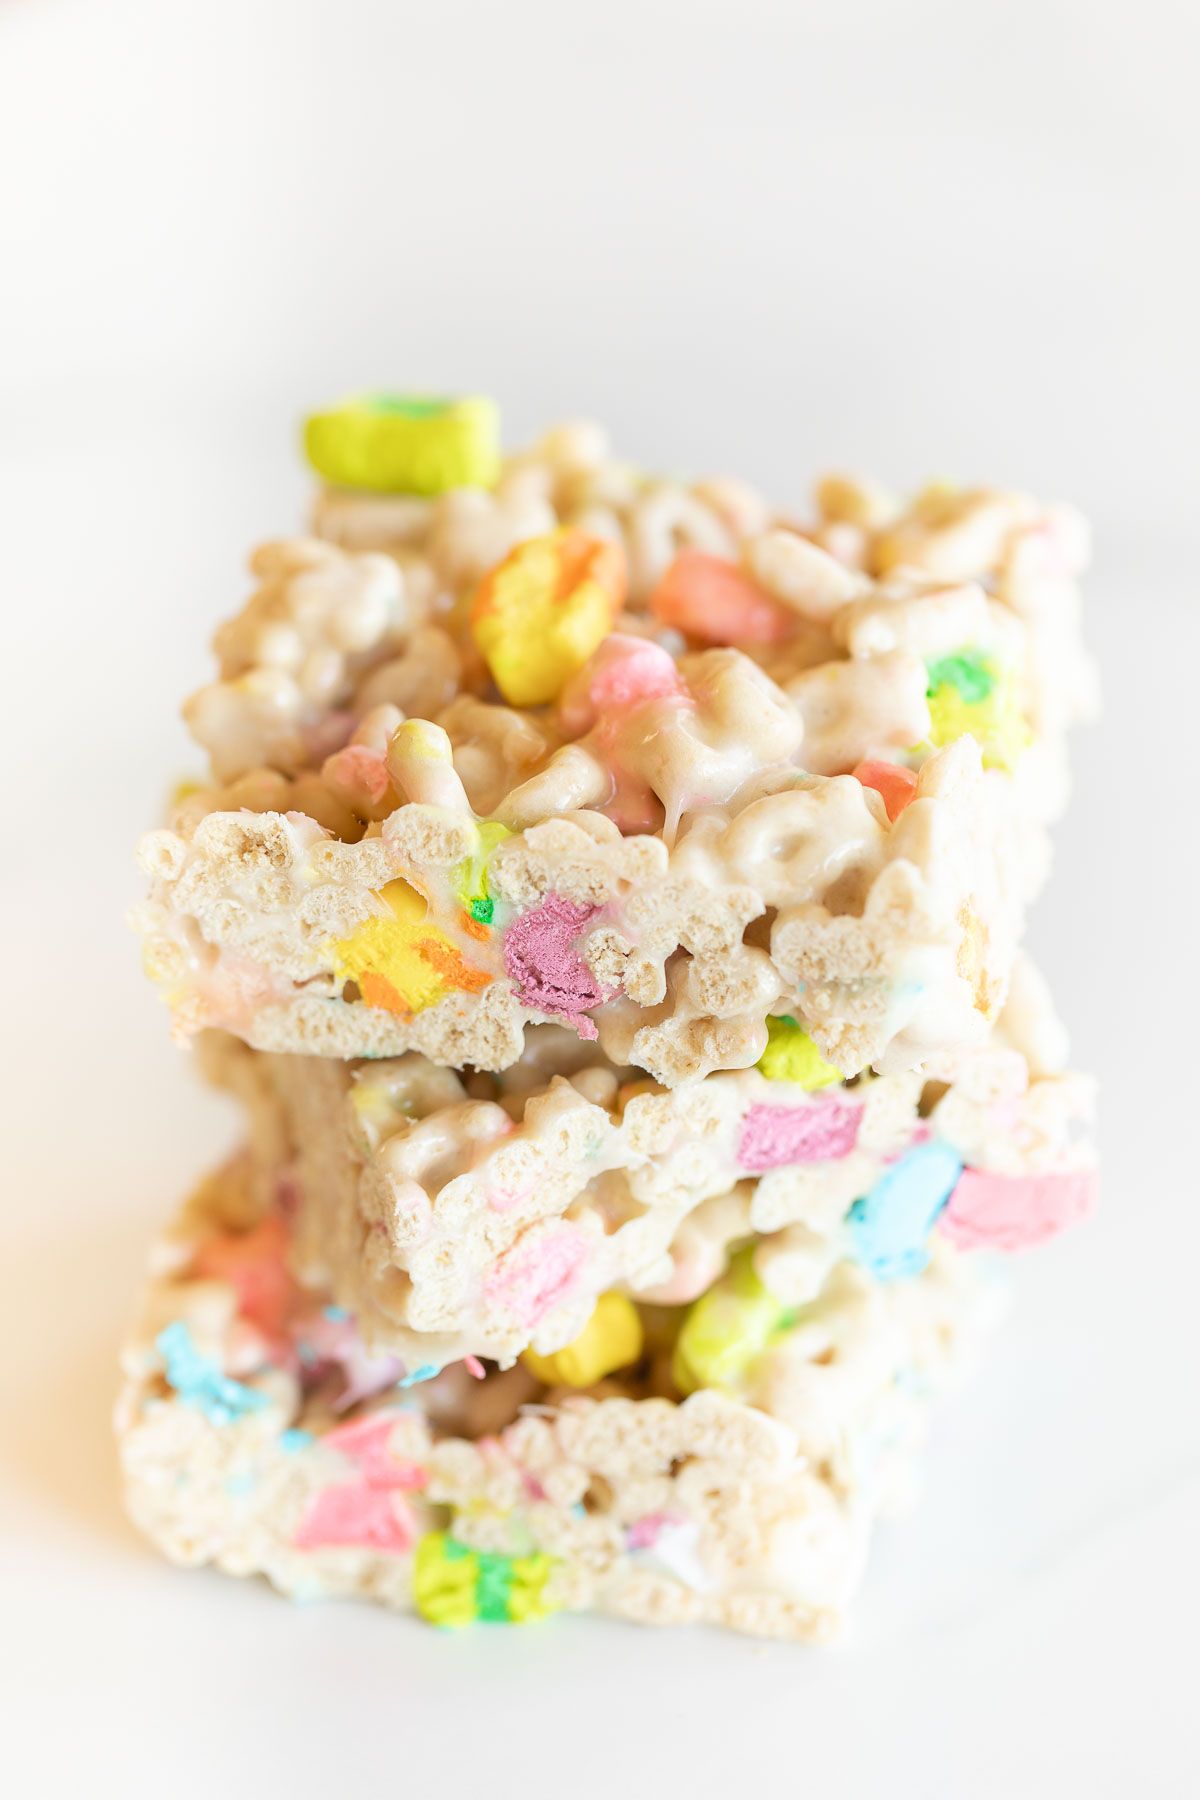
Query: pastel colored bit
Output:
(895,784)
(645,1532)
(406,444)
(624,698)
(539,614)
(791,1055)
(469,878)
(367,1512)
(358,774)
(675,1548)
(477,921)
(454,1585)
(711,599)
(423,1372)
(967,692)
(529,1280)
(252,1263)
(611,1339)
(544,966)
(444,1577)
(199,1380)
(727,1329)
(401,962)
(1014,1212)
(971,673)
(356,1514)
(889,1227)
(366,1443)
(772,1137)
(513,1590)
(625,672)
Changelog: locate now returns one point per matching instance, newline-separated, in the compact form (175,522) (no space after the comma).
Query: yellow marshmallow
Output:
(539,614)
(611,1339)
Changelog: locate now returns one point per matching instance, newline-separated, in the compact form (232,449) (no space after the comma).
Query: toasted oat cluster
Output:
(257,1432)
(604,900)
(651,761)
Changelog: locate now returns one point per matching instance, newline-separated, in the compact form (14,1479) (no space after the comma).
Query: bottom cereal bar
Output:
(258,1432)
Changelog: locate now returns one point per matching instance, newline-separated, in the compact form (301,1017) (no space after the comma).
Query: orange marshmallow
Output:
(893,783)
(712,599)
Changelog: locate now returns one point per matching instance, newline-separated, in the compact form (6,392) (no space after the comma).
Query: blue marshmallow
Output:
(889,1227)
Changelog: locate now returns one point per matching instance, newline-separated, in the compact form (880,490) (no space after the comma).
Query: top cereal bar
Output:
(543,738)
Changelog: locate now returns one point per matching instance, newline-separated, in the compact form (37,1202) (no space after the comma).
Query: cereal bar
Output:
(485,1216)
(604,899)
(648,760)
(258,1433)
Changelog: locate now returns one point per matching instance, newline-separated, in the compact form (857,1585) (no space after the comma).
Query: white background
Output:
(938,237)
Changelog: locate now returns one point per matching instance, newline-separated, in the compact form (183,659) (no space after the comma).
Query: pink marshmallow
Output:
(773,1136)
(624,672)
(645,1532)
(529,1282)
(252,1263)
(359,1516)
(544,966)
(359,768)
(1012,1212)
(711,599)
(365,1443)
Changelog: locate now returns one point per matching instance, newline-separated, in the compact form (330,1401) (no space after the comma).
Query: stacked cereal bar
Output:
(605,898)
